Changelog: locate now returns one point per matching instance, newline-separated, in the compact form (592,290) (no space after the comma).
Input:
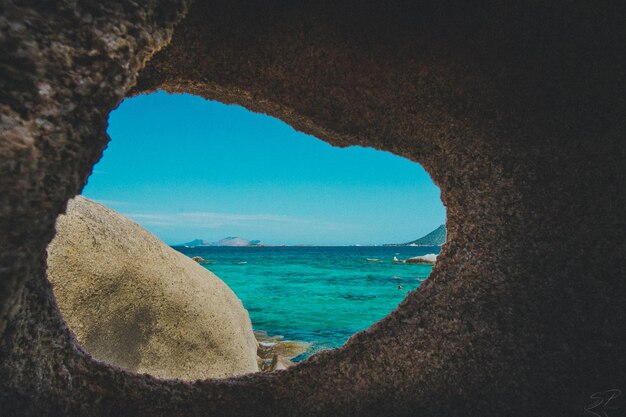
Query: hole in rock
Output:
(297,229)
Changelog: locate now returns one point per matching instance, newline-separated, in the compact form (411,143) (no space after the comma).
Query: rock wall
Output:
(516,109)
(136,303)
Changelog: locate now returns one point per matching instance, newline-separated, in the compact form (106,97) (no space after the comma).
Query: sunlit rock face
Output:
(515,109)
(136,303)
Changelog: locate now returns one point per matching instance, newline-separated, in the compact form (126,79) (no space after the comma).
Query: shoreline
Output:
(275,353)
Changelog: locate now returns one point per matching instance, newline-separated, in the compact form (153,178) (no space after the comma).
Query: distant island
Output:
(227,241)
(435,238)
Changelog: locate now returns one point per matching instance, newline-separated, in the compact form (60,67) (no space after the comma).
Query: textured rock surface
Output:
(135,302)
(517,109)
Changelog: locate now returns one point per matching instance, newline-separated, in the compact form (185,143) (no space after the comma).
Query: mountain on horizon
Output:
(233,241)
(227,241)
(435,238)
(196,242)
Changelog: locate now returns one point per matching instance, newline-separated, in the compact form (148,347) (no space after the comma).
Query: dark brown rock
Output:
(517,110)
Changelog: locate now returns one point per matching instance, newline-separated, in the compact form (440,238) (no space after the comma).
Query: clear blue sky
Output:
(186,168)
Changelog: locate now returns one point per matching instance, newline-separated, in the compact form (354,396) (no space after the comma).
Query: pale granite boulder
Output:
(135,302)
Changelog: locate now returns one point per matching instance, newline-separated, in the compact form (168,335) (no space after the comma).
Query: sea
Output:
(316,294)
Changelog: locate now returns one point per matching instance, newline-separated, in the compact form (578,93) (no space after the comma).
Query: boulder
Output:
(274,353)
(200,260)
(135,302)
(429,259)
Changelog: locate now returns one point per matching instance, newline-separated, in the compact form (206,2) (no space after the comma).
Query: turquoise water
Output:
(320,295)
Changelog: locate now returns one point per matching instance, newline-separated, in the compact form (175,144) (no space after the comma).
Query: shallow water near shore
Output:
(321,294)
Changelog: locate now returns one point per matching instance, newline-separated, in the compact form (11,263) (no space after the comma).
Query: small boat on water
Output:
(373,260)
